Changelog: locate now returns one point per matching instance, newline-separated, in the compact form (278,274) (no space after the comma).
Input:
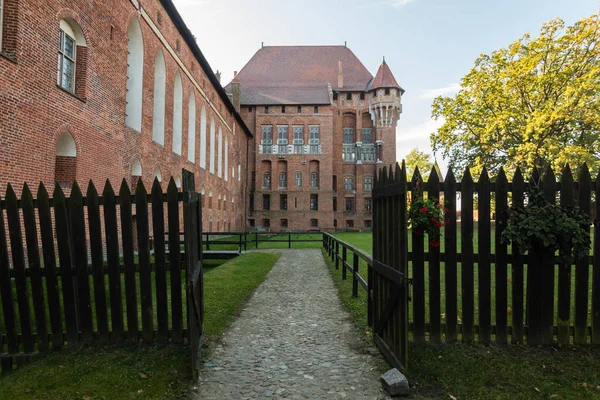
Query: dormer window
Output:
(387,91)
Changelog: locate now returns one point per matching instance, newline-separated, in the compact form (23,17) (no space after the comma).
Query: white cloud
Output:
(418,136)
(445,90)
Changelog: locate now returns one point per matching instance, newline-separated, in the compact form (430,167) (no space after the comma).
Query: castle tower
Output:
(385,107)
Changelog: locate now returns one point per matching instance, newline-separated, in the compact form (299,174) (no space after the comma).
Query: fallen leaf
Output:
(140,391)
(452,397)
(537,390)
(143,375)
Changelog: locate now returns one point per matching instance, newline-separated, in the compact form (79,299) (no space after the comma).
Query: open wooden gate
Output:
(192,226)
(389,283)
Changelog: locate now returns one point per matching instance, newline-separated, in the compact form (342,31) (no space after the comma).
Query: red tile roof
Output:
(299,74)
(384,78)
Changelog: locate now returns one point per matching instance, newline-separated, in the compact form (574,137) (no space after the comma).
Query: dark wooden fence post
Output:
(418,267)
(289,240)
(355,262)
(128,259)
(484,250)
(517,275)
(596,270)
(433,192)
(582,268)
(501,254)
(467,273)
(337,255)
(343,263)
(451,284)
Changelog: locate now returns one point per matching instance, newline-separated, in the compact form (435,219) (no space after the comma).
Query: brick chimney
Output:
(218,75)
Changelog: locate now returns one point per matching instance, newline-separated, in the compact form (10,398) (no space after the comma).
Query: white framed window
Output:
(368,183)
(298,139)
(212,145)
(282,139)
(135,75)
(267,180)
(220,155)
(267,139)
(177,114)
(203,123)
(160,84)
(298,179)
(314,140)
(226,158)
(67,48)
(192,128)
(366,135)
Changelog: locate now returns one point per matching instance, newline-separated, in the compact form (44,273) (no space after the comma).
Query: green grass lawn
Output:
(139,371)
(475,371)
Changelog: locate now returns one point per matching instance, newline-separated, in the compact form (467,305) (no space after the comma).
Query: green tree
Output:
(535,103)
(418,158)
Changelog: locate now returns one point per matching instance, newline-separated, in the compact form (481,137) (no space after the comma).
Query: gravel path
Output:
(293,339)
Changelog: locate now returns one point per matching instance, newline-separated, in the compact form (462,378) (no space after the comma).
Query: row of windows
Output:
(298,145)
(314,223)
(349,95)
(283,109)
(283,203)
(367,183)
(314,180)
(349,136)
(71,42)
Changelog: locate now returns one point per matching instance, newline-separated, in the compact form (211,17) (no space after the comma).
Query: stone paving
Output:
(293,339)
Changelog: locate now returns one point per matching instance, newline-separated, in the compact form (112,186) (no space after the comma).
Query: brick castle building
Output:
(322,126)
(131,96)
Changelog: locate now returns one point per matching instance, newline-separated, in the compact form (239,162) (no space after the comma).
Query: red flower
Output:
(433,219)
(445,209)
(438,205)
(424,210)
(434,243)
(439,225)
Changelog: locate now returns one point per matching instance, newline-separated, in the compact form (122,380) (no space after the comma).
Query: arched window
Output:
(157,174)
(226,159)
(135,76)
(136,168)
(203,137)
(212,145)
(136,173)
(160,81)
(192,128)
(177,114)
(220,156)
(72,58)
(65,167)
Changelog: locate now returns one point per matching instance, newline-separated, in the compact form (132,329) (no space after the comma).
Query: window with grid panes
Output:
(298,179)
(284,223)
(282,179)
(282,139)
(366,135)
(314,140)
(66,62)
(266,202)
(368,205)
(314,223)
(349,204)
(267,139)
(314,180)
(348,135)
(368,183)
(298,140)
(348,183)
(267,180)
(314,202)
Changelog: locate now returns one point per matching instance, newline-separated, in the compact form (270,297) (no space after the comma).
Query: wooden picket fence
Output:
(52,293)
(474,287)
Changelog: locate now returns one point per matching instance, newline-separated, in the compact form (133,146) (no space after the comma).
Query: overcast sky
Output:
(429,44)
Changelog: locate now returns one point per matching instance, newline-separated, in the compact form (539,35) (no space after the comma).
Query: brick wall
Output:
(34,112)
